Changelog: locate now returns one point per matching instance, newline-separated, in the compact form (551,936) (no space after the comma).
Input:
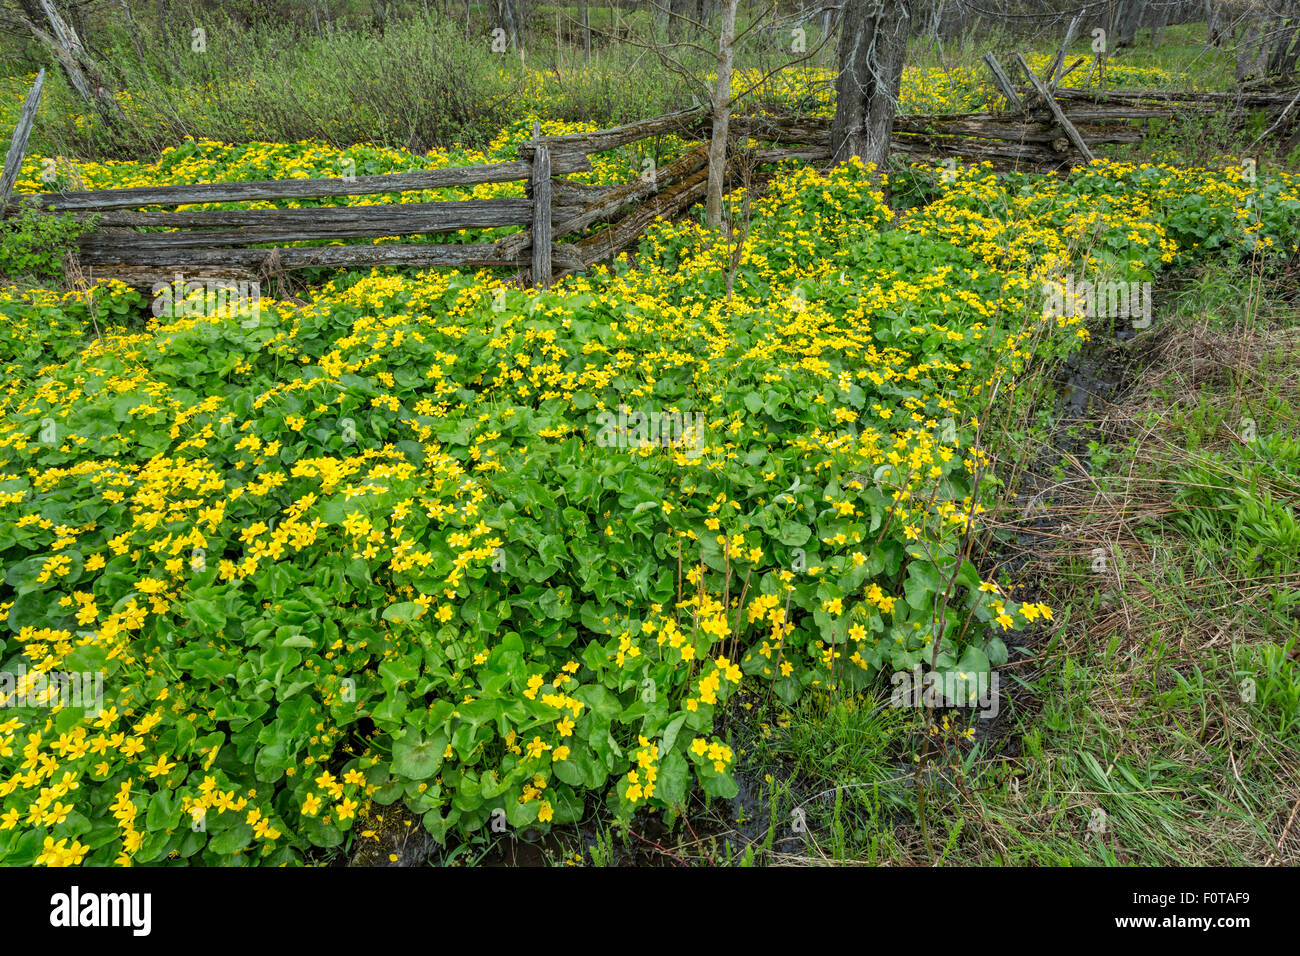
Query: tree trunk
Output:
(1250,54)
(164,11)
(1284,31)
(1214,30)
(936,20)
(1128,19)
(1162,20)
(510,16)
(681,9)
(721,115)
(586,31)
(66,47)
(660,15)
(1288,64)
(135,35)
(873,44)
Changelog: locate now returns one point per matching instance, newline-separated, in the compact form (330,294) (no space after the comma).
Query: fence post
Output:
(541,192)
(1070,131)
(18,145)
(1003,83)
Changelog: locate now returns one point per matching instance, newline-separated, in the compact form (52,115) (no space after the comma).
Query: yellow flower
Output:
(159,767)
(534,684)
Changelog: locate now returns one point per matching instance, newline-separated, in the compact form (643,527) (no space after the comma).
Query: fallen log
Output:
(813,131)
(1018,157)
(109,240)
(146,277)
(813,154)
(1034,131)
(569,191)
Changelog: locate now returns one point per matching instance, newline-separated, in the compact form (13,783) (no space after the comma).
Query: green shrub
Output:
(33,244)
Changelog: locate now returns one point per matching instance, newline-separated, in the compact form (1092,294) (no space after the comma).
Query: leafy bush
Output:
(33,243)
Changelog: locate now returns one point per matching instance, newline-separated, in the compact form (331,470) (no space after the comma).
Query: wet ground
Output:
(1090,381)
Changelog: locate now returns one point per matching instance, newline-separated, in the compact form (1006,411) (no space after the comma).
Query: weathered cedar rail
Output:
(18,145)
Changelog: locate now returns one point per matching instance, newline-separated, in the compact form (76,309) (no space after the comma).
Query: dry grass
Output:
(1148,659)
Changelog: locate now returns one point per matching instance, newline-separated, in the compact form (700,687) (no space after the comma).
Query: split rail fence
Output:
(1047,128)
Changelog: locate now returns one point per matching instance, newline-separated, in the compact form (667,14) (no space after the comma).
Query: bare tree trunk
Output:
(1214,29)
(1161,22)
(1285,29)
(661,15)
(721,115)
(936,20)
(873,44)
(1250,52)
(63,43)
(586,30)
(164,11)
(1288,64)
(1128,18)
(510,15)
(135,35)
(680,9)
